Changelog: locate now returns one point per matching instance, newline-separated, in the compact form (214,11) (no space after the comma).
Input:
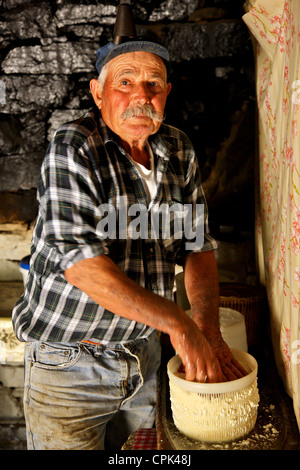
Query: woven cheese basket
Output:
(215,412)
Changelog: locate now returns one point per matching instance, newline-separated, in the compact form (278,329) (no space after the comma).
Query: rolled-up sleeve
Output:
(69,198)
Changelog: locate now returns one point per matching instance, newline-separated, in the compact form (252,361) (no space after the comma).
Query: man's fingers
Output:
(190,371)
(196,370)
(233,370)
(204,371)
(211,372)
(239,367)
(229,374)
(201,376)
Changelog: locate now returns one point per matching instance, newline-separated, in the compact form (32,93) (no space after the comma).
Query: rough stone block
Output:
(173,10)
(70,14)
(20,172)
(15,245)
(22,134)
(231,38)
(12,376)
(10,4)
(86,31)
(18,207)
(10,134)
(32,21)
(204,40)
(10,292)
(54,58)
(25,93)
(60,117)
(10,271)
(11,403)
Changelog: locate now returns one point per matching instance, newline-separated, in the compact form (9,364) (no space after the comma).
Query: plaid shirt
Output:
(84,168)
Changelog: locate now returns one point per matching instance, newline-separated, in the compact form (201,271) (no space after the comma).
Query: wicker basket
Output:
(251,302)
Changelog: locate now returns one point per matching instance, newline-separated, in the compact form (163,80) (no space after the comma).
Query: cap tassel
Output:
(124,25)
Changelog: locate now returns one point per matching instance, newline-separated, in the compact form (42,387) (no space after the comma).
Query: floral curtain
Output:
(275,27)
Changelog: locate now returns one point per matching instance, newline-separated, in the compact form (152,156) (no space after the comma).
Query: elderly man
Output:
(93,302)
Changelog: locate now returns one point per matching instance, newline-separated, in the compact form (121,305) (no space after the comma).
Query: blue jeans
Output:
(81,396)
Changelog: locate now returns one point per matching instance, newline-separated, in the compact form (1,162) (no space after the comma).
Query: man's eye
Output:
(124,82)
(155,85)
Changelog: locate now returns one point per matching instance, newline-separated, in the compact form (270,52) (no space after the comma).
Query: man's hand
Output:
(198,357)
(206,360)
(231,368)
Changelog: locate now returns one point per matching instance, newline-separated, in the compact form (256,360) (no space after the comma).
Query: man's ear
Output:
(96,90)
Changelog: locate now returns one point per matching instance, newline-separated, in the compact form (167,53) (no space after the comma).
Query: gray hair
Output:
(103,74)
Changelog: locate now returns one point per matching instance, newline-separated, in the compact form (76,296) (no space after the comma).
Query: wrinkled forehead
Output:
(137,63)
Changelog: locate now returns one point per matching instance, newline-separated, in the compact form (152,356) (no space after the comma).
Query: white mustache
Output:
(145,109)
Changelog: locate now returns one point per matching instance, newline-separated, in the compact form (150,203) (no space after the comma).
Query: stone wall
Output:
(47,60)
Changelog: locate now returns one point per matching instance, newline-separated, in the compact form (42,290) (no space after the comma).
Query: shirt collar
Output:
(107,134)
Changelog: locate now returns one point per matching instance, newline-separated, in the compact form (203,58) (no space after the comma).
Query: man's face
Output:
(133,80)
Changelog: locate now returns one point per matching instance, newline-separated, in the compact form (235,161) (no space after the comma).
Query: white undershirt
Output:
(148,176)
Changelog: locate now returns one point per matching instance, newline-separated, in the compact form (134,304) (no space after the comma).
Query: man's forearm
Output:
(108,286)
(202,287)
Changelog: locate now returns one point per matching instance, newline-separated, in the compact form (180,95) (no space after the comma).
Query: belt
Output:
(91,342)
